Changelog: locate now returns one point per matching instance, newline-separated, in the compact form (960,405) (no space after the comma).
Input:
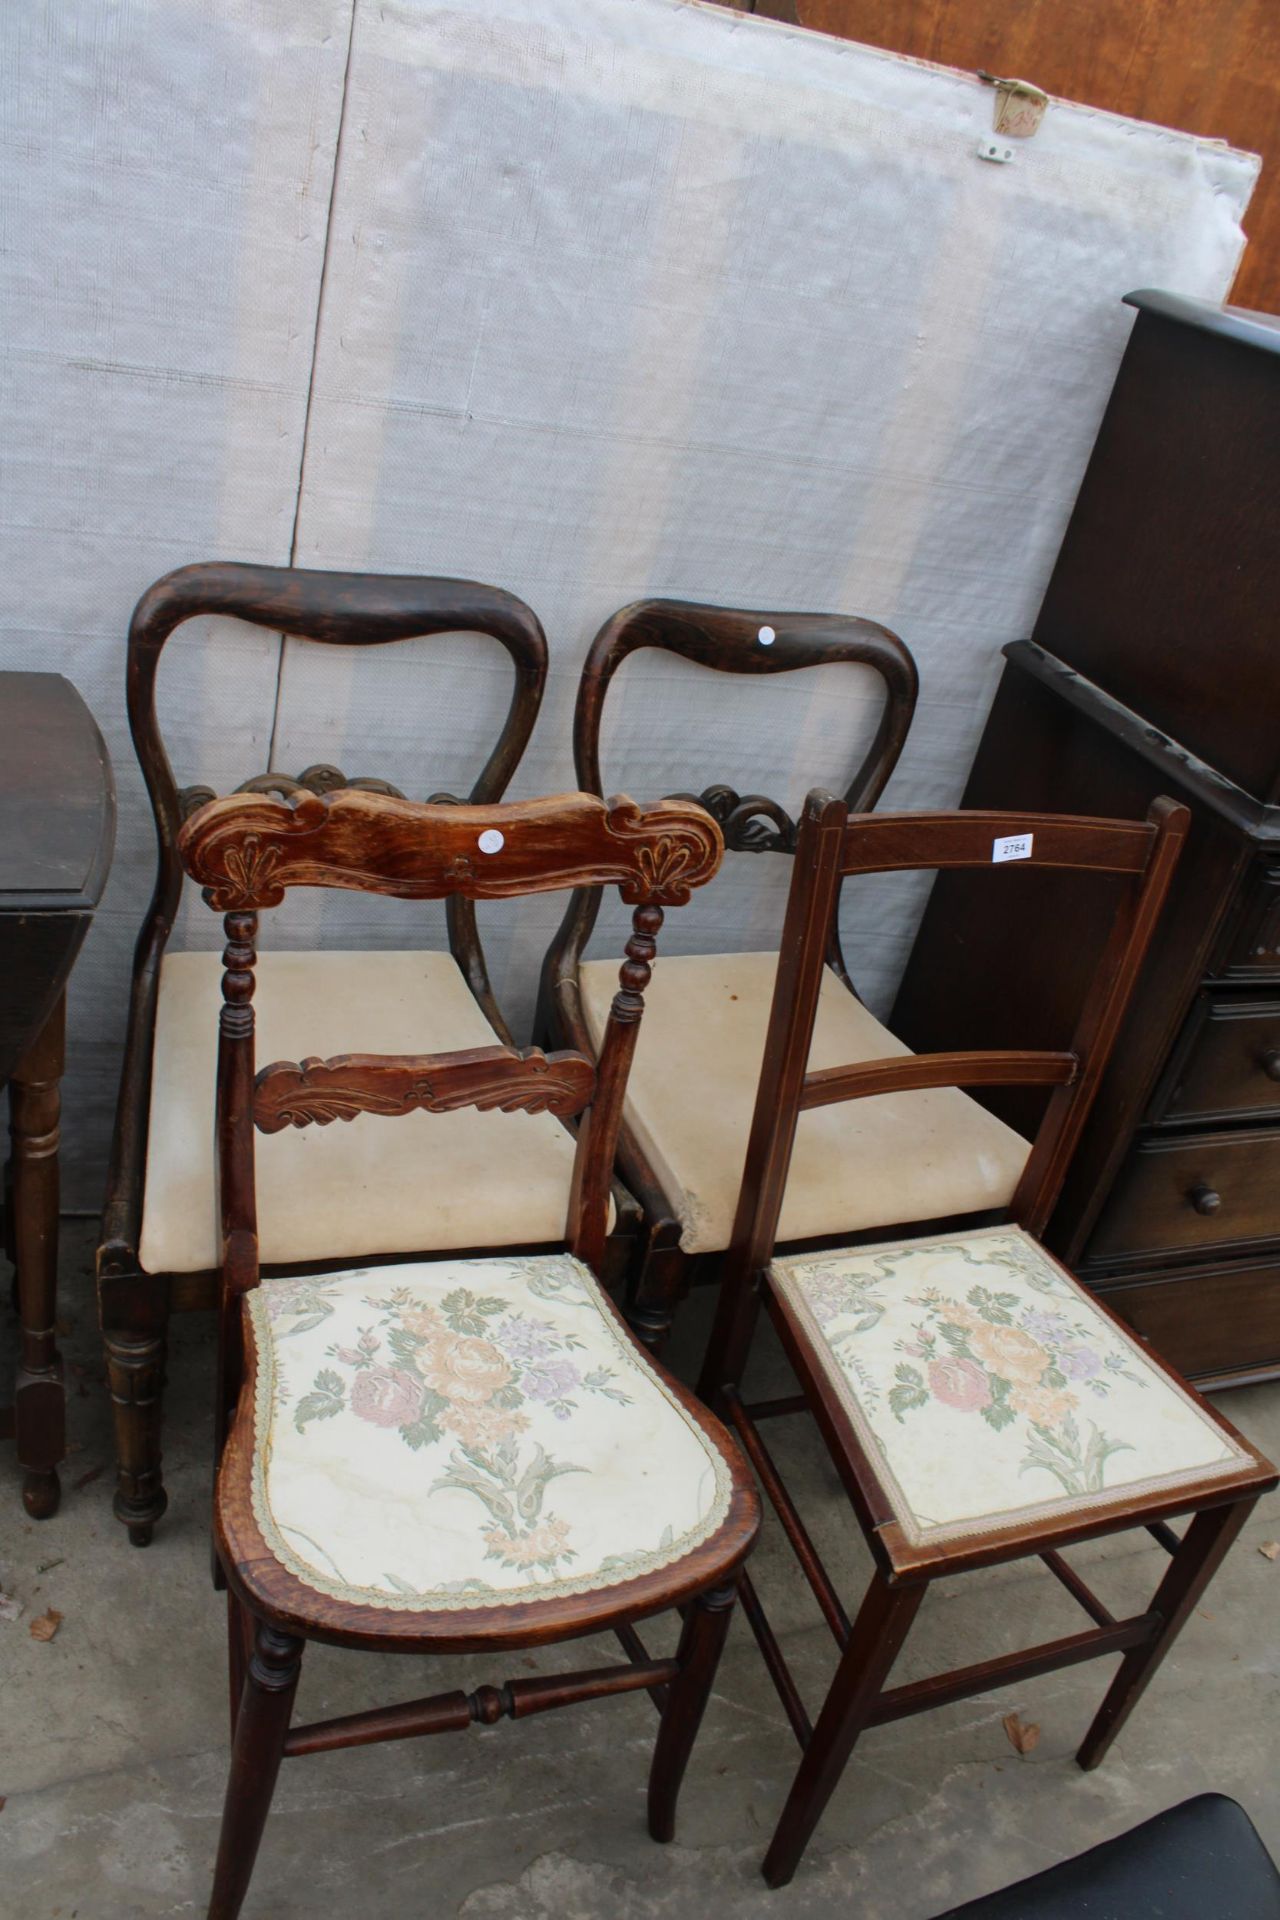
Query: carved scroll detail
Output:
(251,869)
(246,849)
(318,1092)
(320,778)
(742,817)
(676,847)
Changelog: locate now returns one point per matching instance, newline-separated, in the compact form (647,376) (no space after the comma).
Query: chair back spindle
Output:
(237,1189)
(597,1150)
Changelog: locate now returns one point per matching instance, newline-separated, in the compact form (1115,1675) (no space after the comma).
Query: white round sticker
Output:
(766,636)
(491,841)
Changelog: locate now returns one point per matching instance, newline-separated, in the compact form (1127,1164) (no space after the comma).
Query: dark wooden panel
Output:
(57,799)
(36,955)
(1181,1192)
(1227,1064)
(1250,948)
(1209,1323)
(1209,66)
(57,829)
(1165,590)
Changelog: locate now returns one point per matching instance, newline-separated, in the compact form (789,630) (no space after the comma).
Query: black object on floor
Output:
(1202,1860)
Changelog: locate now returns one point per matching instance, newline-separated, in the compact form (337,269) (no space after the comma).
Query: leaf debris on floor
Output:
(1023,1735)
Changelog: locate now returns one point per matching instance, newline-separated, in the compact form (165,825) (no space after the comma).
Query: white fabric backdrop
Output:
(167,172)
(620,297)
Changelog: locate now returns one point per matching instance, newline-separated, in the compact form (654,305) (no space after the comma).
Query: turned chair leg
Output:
(1204,1547)
(135,1375)
(883,1622)
(661,1279)
(40,1408)
(271,1681)
(702,1638)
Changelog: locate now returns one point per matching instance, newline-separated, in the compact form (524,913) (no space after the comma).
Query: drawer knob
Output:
(1204,1199)
(1271,1063)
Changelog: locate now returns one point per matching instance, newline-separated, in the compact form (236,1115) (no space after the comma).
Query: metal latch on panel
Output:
(1019,109)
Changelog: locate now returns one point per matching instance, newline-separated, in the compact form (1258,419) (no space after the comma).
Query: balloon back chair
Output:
(458,1454)
(159,1247)
(688,1113)
(978,1403)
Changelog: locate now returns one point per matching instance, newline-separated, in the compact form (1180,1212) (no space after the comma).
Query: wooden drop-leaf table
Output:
(57,828)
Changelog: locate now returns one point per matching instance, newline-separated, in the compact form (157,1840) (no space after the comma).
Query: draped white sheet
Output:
(167,173)
(620,297)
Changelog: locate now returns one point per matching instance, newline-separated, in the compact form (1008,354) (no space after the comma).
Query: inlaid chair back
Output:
(248,850)
(158,1250)
(681,1179)
(832,845)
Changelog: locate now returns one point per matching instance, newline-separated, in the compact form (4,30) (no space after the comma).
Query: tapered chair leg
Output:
(239,1652)
(732,1335)
(271,1682)
(702,1639)
(883,1622)
(1204,1547)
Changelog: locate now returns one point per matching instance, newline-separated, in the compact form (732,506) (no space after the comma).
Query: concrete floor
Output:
(113,1736)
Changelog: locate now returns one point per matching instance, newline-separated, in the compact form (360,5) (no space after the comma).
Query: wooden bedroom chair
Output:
(159,1249)
(464,1454)
(688,1111)
(979,1404)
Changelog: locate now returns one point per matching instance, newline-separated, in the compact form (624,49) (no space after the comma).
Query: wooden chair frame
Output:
(726,640)
(245,851)
(335,609)
(832,845)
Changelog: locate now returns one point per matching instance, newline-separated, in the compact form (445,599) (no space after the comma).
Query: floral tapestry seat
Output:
(463,1434)
(989,1390)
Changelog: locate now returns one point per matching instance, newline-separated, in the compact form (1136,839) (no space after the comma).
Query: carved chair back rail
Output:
(986,1295)
(725,640)
(246,851)
(332,609)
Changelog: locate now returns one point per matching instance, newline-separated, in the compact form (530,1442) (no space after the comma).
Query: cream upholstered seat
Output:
(426,1181)
(462,1433)
(867,1163)
(989,1389)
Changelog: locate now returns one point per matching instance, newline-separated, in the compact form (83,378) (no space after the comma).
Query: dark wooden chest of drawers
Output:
(1167,586)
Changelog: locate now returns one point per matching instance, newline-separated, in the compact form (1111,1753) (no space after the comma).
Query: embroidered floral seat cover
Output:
(987,1387)
(460,1433)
